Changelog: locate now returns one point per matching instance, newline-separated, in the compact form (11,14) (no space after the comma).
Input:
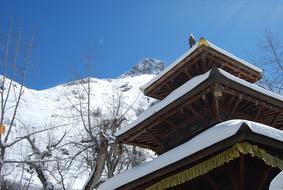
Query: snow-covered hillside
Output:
(40,109)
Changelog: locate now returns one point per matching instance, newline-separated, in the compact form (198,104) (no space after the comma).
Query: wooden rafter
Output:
(161,144)
(247,72)
(275,118)
(204,99)
(236,105)
(168,122)
(253,99)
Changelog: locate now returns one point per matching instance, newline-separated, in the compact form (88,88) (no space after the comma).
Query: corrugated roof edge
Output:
(201,42)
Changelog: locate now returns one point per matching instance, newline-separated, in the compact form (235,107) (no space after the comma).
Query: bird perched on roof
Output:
(192,40)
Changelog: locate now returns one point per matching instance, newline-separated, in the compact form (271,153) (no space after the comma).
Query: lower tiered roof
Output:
(198,104)
(247,154)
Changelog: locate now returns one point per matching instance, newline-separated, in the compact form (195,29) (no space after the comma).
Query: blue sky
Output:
(120,33)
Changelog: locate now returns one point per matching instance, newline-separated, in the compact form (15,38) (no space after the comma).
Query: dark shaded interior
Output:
(254,174)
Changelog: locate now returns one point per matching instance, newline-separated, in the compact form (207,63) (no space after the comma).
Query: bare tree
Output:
(95,145)
(97,142)
(13,53)
(270,58)
(43,157)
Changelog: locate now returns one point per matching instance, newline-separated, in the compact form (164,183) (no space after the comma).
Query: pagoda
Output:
(213,128)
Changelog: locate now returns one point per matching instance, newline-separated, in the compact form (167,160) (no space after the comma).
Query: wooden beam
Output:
(211,182)
(275,118)
(242,172)
(185,122)
(249,108)
(263,178)
(158,120)
(203,62)
(236,105)
(187,72)
(195,112)
(240,115)
(167,86)
(258,113)
(204,98)
(230,101)
(234,65)
(197,67)
(254,98)
(169,123)
(155,137)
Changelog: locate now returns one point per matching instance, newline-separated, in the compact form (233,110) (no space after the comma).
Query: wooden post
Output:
(242,172)
(212,183)
(263,178)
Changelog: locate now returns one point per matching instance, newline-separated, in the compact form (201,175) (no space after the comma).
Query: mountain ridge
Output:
(145,66)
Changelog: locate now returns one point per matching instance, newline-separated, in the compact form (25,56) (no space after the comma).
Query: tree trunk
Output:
(94,179)
(42,177)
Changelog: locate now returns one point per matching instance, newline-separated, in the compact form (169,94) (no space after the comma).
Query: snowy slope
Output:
(40,109)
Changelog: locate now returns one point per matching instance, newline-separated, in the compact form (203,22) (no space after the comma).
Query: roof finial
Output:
(192,40)
(202,42)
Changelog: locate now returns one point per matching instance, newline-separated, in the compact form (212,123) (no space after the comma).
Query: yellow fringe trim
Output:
(216,161)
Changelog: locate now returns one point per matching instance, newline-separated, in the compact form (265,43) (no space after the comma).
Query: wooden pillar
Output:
(263,178)
(211,182)
(238,174)
(242,172)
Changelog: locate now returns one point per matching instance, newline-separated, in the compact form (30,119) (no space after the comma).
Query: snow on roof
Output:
(190,51)
(187,87)
(207,138)
(251,86)
(213,46)
(277,182)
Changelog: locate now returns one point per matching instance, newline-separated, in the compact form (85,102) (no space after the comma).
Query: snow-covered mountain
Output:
(39,106)
(145,66)
(39,109)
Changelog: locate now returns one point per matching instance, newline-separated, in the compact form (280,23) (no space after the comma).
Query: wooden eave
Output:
(201,60)
(273,147)
(200,109)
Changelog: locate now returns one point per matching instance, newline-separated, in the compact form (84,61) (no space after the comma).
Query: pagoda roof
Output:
(189,86)
(178,73)
(222,135)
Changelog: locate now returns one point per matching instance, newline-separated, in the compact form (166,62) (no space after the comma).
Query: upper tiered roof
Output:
(198,60)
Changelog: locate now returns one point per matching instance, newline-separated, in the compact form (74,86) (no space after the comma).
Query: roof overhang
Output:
(209,142)
(190,107)
(198,60)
